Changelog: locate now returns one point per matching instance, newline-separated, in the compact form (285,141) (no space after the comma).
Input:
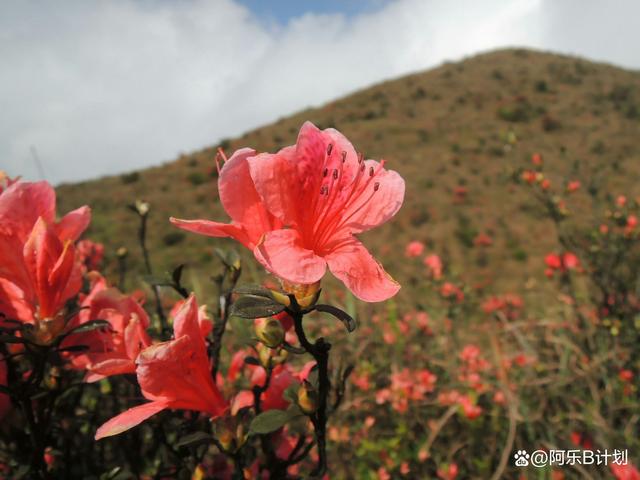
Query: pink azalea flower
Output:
(570,261)
(624,472)
(483,240)
(114,351)
(448,472)
(39,270)
(573,186)
(204,321)
(434,264)
(281,379)
(469,408)
(625,375)
(250,220)
(406,385)
(91,253)
(529,176)
(563,263)
(325,193)
(632,223)
(173,375)
(414,249)
(450,291)
(22,203)
(383,474)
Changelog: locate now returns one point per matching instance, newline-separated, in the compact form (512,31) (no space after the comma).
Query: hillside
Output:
(469,124)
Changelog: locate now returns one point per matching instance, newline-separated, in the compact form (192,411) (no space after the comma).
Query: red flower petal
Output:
(73,224)
(214,229)
(361,273)
(129,419)
(282,253)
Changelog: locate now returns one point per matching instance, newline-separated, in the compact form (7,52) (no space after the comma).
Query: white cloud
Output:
(105,87)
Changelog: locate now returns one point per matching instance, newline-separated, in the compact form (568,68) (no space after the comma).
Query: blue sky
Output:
(100,88)
(284,10)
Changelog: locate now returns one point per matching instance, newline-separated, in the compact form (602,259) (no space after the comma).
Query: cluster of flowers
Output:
(42,274)
(561,263)
(432,261)
(296,210)
(509,304)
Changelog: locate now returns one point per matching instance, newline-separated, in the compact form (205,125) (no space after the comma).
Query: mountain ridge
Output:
(458,134)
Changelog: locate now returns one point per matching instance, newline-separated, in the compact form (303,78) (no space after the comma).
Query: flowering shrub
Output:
(161,382)
(298,211)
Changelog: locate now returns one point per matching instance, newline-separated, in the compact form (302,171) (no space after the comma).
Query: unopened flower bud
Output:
(241,435)
(142,207)
(225,436)
(237,265)
(281,298)
(307,398)
(52,380)
(269,331)
(49,458)
(199,473)
(270,357)
(231,432)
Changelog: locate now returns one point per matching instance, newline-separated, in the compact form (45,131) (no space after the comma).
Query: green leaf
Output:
(294,410)
(177,274)
(291,393)
(85,327)
(194,439)
(252,361)
(111,474)
(344,317)
(89,326)
(272,420)
(252,306)
(256,290)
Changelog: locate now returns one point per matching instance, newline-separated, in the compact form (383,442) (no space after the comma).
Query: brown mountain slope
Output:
(469,124)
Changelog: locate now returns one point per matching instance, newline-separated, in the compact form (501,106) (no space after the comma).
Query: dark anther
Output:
(376,186)
(344,157)
(335,174)
(362,167)
(329,149)
(371,171)
(325,172)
